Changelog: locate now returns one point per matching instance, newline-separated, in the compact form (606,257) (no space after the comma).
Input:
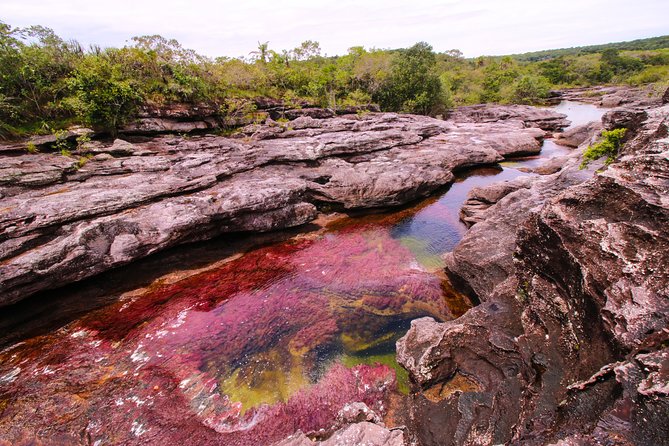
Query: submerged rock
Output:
(66,218)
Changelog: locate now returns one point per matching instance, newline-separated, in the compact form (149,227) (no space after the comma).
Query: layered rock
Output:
(576,136)
(615,96)
(364,433)
(531,116)
(569,344)
(188,118)
(67,218)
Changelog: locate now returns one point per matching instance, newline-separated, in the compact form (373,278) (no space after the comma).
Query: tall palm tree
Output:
(262,52)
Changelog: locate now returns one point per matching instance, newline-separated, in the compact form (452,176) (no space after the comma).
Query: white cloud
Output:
(233,28)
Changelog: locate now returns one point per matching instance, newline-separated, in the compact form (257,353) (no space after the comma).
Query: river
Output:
(220,347)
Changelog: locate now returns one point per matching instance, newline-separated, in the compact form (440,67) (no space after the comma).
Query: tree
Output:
(102,96)
(617,64)
(556,70)
(33,64)
(307,50)
(262,53)
(413,85)
(530,90)
(498,76)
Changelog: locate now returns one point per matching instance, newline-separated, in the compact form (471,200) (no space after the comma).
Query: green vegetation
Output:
(412,84)
(653,43)
(47,83)
(608,147)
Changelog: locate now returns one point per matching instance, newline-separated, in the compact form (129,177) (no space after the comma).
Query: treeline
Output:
(652,43)
(47,83)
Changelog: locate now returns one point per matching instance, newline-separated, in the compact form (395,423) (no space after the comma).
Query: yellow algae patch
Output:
(459,383)
(357,342)
(268,379)
(418,247)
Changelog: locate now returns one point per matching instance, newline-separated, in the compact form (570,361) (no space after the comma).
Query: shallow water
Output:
(252,349)
(579,113)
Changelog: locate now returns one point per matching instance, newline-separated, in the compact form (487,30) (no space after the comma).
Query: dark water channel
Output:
(253,347)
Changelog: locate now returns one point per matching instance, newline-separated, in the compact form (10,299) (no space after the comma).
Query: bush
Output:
(413,85)
(103,97)
(530,90)
(608,147)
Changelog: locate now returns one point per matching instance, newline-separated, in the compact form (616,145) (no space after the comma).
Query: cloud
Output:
(234,28)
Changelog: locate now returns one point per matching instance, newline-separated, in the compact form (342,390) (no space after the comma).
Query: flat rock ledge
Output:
(66,218)
(569,345)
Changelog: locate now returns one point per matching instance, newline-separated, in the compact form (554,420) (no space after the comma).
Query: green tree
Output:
(530,90)
(498,76)
(612,61)
(262,53)
(103,97)
(556,70)
(33,65)
(413,85)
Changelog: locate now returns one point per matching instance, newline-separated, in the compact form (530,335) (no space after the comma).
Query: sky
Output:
(234,28)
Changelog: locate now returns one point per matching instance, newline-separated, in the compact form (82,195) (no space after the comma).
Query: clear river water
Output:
(247,348)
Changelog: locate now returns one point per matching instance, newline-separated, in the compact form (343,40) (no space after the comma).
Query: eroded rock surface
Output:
(569,343)
(578,135)
(364,433)
(615,96)
(67,218)
(531,116)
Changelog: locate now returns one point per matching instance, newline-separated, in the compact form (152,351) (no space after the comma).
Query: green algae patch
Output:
(419,248)
(265,381)
(387,359)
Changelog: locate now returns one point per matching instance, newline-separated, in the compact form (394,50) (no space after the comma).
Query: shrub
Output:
(413,85)
(31,147)
(103,96)
(530,90)
(608,147)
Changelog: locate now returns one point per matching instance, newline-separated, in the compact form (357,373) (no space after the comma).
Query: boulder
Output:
(480,199)
(576,136)
(627,118)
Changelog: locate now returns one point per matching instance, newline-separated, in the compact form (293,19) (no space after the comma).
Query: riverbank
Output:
(65,220)
(262,321)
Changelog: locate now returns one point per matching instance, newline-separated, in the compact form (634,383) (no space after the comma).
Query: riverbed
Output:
(252,345)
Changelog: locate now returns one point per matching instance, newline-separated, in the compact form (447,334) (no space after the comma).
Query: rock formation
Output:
(615,96)
(66,218)
(569,343)
(532,116)
(186,118)
(578,135)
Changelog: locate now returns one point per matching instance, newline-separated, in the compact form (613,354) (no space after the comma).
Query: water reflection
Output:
(579,113)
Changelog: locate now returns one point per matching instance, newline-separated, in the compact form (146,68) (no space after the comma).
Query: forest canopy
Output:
(48,83)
